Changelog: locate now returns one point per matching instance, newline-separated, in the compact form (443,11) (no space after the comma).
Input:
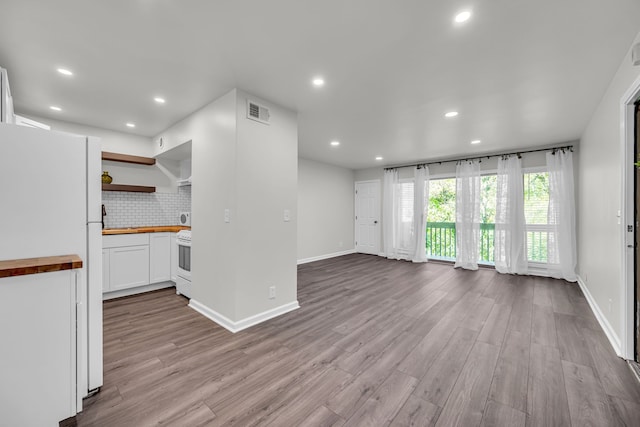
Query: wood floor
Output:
(375,343)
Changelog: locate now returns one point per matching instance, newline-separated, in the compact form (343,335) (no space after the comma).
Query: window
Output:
(488,191)
(536,205)
(406,201)
(441,220)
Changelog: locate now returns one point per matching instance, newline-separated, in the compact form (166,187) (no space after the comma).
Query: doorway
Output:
(367,211)
(630,222)
(636,299)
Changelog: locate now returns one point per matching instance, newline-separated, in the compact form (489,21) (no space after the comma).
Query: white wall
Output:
(266,186)
(251,169)
(157,176)
(325,210)
(600,187)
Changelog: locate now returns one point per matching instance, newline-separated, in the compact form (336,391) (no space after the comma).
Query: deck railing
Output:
(441,242)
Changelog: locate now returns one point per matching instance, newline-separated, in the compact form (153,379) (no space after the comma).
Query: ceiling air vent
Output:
(257,112)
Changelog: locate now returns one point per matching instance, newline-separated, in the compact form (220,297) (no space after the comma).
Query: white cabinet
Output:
(105,270)
(132,260)
(174,256)
(127,262)
(38,350)
(160,257)
(128,267)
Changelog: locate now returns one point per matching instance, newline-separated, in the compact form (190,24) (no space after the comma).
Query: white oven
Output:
(183,279)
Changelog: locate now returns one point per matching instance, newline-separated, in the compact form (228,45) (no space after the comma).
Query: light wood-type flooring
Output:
(374,343)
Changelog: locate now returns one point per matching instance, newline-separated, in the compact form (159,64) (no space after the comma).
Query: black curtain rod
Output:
(464,159)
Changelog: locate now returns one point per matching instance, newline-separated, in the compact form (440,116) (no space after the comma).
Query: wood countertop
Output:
(134,230)
(25,266)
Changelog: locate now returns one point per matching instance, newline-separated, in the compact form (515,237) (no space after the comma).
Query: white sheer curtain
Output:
(467,214)
(510,234)
(388,212)
(420,208)
(404,216)
(561,244)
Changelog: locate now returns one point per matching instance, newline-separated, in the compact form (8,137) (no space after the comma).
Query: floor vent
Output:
(257,112)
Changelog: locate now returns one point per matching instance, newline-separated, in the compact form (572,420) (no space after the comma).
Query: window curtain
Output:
(561,243)
(467,214)
(510,234)
(420,208)
(389,213)
(404,216)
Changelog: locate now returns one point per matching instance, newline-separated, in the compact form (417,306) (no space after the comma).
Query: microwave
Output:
(184,219)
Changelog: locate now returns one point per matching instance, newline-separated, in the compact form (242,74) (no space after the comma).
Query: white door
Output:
(368,217)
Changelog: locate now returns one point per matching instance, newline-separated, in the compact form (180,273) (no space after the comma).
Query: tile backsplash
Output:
(144,209)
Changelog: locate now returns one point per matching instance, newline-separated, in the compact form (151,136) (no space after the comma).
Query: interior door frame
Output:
(627,226)
(378,213)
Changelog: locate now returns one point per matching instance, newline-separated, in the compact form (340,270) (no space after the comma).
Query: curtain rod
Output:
(488,156)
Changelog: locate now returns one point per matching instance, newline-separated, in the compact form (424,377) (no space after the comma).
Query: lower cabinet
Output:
(128,267)
(160,258)
(106,281)
(38,382)
(132,260)
(174,256)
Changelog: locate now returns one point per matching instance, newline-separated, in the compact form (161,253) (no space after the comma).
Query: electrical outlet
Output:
(340,244)
(272,292)
(227,215)
(287,215)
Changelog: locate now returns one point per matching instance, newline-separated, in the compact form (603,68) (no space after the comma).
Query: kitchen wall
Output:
(325,210)
(600,239)
(126,209)
(159,175)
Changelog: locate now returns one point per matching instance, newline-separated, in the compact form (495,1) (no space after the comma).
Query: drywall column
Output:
(250,170)
(266,186)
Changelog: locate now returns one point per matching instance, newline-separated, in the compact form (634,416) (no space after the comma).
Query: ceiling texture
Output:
(521,74)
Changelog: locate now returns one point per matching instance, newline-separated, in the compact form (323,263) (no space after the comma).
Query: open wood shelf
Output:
(129,188)
(126,158)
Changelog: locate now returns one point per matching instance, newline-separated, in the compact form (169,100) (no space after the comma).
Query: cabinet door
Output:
(160,245)
(174,256)
(38,350)
(106,285)
(129,267)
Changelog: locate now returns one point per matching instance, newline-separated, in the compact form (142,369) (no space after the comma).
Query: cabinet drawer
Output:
(122,240)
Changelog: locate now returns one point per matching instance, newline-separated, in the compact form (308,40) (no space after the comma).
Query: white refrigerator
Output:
(50,204)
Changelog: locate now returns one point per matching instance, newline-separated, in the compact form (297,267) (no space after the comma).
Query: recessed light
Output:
(476,141)
(131,125)
(159,100)
(65,72)
(451,114)
(318,82)
(335,143)
(379,158)
(462,16)
(54,108)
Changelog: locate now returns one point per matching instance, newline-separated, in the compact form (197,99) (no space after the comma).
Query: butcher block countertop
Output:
(25,266)
(156,229)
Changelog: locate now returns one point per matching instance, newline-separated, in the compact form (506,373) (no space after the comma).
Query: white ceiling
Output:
(521,73)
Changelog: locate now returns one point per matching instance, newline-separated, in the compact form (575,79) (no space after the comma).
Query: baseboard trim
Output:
(327,256)
(240,325)
(137,290)
(602,320)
